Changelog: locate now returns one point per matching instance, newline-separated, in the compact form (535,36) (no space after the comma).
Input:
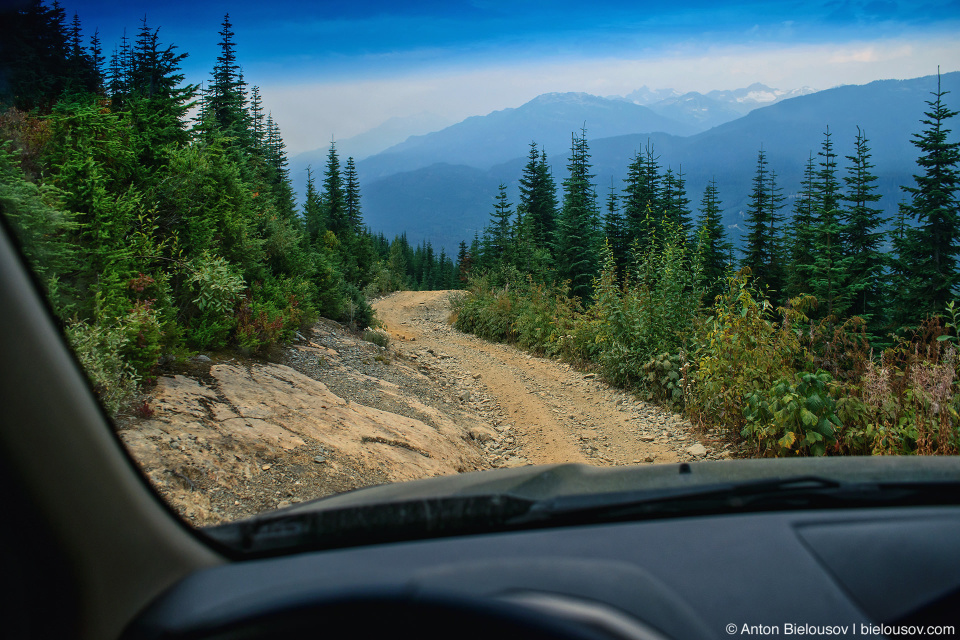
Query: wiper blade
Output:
(801,492)
(305,530)
(369,524)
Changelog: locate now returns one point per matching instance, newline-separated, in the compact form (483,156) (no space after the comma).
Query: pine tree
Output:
(862,237)
(674,201)
(497,237)
(351,185)
(615,230)
(758,245)
(314,219)
(155,93)
(332,196)
(257,126)
(97,61)
(577,241)
(225,98)
(642,196)
(928,254)
(800,235)
(830,263)
(712,246)
(537,205)
(464,262)
(778,242)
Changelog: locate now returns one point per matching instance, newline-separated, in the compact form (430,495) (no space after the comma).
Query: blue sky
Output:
(340,68)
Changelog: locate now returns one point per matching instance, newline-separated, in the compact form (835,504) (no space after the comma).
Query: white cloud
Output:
(310,114)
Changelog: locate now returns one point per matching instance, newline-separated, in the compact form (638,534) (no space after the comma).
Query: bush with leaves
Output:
(99,348)
(743,351)
(796,416)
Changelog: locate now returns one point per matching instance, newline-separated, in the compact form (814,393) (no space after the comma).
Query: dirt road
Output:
(545,411)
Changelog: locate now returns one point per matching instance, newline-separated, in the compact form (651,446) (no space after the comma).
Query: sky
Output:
(336,69)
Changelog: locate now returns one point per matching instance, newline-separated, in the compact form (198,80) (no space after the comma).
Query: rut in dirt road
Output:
(543,411)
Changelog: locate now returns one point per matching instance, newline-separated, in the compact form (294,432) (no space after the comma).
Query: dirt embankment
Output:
(228,439)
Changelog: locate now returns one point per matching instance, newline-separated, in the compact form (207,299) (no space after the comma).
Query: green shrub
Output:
(796,416)
(663,379)
(743,352)
(379,338)
(99,348)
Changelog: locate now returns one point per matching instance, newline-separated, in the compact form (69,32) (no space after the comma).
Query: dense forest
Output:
(834,331)
(159,215)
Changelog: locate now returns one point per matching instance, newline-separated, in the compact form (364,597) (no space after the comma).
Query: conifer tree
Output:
(641,198)
(538,199)
(830,262)
(929,250)
(862,237)
(674,202)
(758,244)
(156,96)
(712,246)
(464,262)
(332,196)
(615,230)
(225,98)
(497,237)
(351,186)
(314,219)
(97,61)
(578,239)
(800,235)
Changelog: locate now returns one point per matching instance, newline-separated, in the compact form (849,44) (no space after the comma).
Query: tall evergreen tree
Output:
(333,197)
(641,197)
(800,234)
(156,95)
(712,246)
(674,201)
(497,237)
(577,243)
(758,244)
(928,254)
(314,220)
(351,185)
(615,230)
(830,262)
(538,199)
(97,62)
(862,237)
(225,98)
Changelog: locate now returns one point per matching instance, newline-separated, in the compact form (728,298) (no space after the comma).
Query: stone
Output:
(201,358)
(481,433)
(319,459)
(697,450)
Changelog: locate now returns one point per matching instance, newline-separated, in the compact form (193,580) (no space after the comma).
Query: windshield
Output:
(313,251)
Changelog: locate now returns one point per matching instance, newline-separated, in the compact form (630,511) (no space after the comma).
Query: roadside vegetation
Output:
(834,333)
(159,215)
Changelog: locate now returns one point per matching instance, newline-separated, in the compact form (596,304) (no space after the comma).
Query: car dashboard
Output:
(869,572)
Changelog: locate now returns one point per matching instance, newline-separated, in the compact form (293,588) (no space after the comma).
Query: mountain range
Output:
(441,186)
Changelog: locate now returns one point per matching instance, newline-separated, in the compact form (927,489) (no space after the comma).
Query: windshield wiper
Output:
(304,529)
(802,492)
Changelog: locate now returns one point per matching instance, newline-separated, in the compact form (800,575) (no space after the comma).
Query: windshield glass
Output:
(301,251)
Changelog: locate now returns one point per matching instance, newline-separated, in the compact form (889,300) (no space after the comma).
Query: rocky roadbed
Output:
(225,438)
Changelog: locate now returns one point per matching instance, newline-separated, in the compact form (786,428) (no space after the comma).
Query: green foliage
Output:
(743,351)
(217,286)
(663,379)
(377,337)
(794,417)
(99,348)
